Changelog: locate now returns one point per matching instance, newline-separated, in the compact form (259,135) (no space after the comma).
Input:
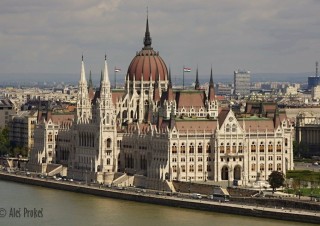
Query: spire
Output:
(211,93)
(211,79)
(169,78)
(82,73)
(90,81)
(147,38)
(197,85)
(156,91)
(170,91)
(105,77)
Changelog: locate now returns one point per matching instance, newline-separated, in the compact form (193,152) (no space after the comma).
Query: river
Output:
(32,205)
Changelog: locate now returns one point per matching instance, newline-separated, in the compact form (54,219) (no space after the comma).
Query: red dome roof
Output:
(147,62)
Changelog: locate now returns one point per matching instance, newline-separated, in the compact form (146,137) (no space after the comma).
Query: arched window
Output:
(174,169)
(253,147)
(191,168)
(261,167)
(227,128)
(108,143)
(50,137)
(253,167)
(183,148)
(174,148)
(279,167)
(208,148)
(234,148)
(222,148)
(261,147)
(270,147)
(199,148)
(240,148)
(191,148)
(279,146)
(234,128)
(270,167)
(199,168)
(183,168)
(108,161)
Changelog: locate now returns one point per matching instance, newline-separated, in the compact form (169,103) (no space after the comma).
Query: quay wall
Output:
(169,200)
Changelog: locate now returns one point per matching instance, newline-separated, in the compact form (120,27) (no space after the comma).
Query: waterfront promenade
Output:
(175,201)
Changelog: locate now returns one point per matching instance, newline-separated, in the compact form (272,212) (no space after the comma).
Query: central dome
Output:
(147,63)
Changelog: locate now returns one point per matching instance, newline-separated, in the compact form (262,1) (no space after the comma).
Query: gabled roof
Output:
(190,98)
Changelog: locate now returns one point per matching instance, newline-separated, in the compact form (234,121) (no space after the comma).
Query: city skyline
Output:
(263,37)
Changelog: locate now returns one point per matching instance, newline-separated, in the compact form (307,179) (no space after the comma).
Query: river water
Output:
(31,205)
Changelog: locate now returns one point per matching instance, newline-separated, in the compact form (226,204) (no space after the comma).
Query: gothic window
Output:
(261,147)
(234,128)
(191,148)
(234,148)
(240,148)
(208,148)
(183,168)
(208,168)
(253,167)
(200,148)
(270,167)
(279,146)
(199,168)
(270,147)
(174,169)
(191,168)
(261,167)
(228,148)
(183,148)
(108,143)
(253,147)
(174,148)
(222,148)
(279,166)
(50,137)
(108,161)
(227,128)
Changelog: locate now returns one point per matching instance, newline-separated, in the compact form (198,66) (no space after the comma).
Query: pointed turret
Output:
(170,91)
(82,73)
(105,77)
(147,38)
(211,93)
(90,88)
(197,84)
(156,91)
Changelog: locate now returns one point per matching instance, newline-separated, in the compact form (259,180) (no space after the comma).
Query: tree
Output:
(276,180)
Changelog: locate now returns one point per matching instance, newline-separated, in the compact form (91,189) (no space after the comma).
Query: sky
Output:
(263,36)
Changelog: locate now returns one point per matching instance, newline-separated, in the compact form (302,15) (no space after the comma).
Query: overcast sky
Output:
(44,36)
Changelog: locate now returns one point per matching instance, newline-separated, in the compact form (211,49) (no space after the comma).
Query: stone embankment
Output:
(202,204)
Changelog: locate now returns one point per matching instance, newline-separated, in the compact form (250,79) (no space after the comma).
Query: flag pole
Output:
(183,77)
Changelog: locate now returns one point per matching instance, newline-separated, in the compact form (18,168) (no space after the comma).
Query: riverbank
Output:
(207,205)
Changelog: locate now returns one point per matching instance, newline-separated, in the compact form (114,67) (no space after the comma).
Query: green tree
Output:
(276,180)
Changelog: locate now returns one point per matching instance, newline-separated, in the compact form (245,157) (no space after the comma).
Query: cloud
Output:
(261,36)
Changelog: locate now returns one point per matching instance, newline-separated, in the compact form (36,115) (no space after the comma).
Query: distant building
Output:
(242,81)
(314,80)
(224,89)
(21,129)
(315,92)
(6,109)
(291,90)
(308,134)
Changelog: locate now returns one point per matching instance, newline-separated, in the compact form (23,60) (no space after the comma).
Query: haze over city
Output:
(42,38)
